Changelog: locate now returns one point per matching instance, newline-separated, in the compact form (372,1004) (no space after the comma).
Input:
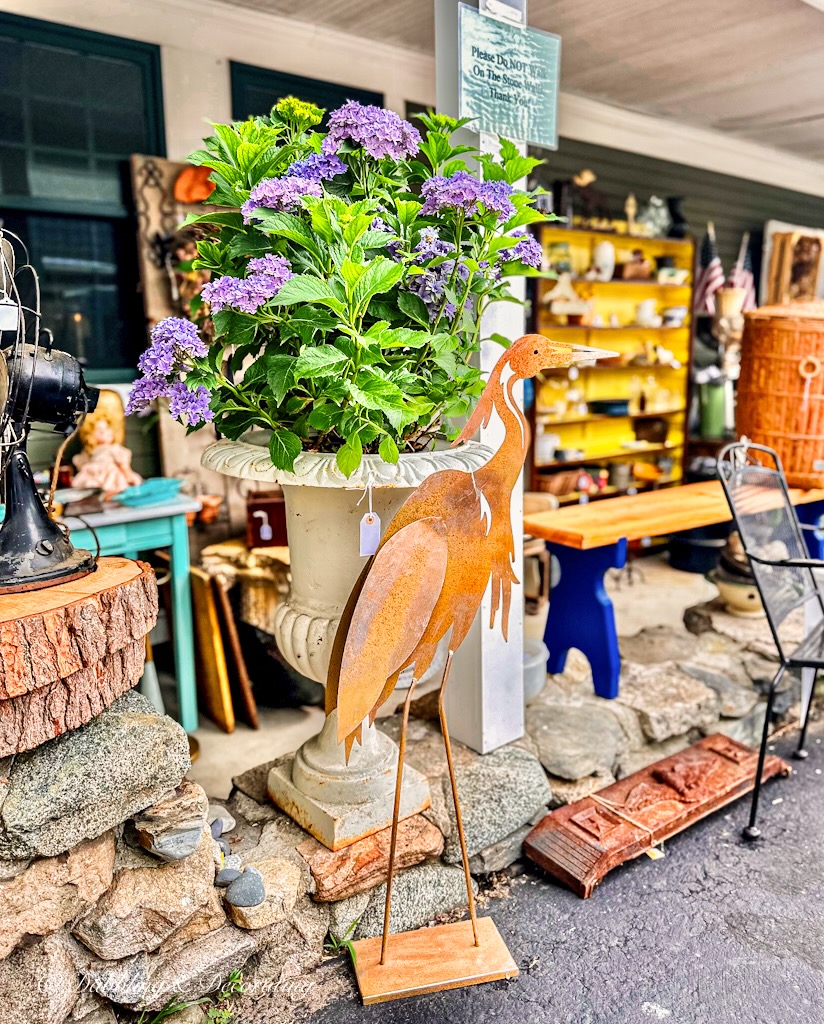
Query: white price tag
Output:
(370,533)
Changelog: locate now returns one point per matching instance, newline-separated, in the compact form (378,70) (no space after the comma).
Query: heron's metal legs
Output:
(458,820)
(395,815)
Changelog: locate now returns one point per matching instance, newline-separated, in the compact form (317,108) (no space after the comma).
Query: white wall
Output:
(198,38)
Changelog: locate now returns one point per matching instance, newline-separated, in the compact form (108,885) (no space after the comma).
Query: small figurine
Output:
(105,463)
(595,202)
(631,210)
(678,222)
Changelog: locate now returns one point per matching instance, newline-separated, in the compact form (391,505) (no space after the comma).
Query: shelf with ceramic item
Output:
(653,355)
(550,420)
(583,497)
(610,454)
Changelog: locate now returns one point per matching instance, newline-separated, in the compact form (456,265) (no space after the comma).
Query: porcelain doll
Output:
(105,462)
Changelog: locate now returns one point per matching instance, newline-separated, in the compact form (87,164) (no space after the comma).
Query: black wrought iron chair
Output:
(753,480)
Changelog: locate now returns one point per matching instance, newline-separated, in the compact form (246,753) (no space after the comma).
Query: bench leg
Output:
(581,614)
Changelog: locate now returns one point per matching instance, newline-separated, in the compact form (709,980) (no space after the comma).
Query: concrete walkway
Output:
(718,932)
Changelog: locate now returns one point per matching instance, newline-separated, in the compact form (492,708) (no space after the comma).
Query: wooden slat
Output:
(652,514)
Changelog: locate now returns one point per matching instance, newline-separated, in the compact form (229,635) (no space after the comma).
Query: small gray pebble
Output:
(224,847)
(247,890)
(233,861)
(219,812)
(226,876)
(217,828)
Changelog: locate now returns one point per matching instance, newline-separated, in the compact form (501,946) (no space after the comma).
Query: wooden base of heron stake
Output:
(431,960)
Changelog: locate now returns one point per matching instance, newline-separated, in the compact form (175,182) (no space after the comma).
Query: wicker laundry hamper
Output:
(781,389)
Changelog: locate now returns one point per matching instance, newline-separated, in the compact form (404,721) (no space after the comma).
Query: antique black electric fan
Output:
(37,384)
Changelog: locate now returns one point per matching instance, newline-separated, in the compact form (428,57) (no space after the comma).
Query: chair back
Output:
(756,488)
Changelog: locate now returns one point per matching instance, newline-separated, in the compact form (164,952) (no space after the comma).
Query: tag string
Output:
(367,491)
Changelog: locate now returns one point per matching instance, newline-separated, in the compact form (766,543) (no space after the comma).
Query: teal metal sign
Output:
(508,78)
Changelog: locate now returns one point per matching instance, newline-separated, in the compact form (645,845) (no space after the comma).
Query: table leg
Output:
(183,628)
(581,614)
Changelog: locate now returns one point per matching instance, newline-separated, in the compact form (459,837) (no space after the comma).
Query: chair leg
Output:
(752,831)
(807,686)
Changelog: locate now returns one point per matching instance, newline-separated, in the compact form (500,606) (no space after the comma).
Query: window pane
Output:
(14,179)
(114,83)
(116,132)
(57,175)
(87,275)
(53,72)
(12,118)
(11,64)
(59,124)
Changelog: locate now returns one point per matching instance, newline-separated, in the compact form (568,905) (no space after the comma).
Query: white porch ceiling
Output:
(752,69)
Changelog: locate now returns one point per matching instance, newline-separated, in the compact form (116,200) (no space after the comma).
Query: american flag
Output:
(710,275)
(741,275)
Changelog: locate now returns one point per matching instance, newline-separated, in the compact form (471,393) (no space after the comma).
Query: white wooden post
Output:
(485,696)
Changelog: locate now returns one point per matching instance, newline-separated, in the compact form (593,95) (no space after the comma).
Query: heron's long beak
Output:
(585,354)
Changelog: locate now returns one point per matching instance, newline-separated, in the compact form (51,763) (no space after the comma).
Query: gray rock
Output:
(247,890)
(752,634)
(499,793)
(38,983)
(253,783)
(172,828)
(668,702)
(503,853)
(233,861)
(655,644)
(145,905)
(735,699)
(225,876)
(576,740)
(419,895)
(746,730)
(87,781)
(344,914)
(216,828)
(253,811)
(218,813)
(565,792)
(150,980)
(224,847)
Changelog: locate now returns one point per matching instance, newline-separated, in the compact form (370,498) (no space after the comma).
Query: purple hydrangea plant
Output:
(190,405)
(380,132)
(282,194)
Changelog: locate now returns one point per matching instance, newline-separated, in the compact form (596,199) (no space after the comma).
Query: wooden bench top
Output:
(634,516)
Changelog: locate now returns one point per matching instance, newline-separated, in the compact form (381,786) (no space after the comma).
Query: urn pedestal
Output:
(337,802)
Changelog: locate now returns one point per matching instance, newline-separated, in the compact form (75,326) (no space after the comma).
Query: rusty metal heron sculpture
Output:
(438,554)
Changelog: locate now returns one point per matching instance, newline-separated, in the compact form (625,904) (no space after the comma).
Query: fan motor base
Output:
(64,573)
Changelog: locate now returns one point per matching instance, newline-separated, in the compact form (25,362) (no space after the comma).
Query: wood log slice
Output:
(51,635)
(40,715)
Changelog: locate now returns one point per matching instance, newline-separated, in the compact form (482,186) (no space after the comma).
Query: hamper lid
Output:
(789,311)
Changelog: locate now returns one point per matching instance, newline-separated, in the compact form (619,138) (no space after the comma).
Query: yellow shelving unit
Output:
(591,441)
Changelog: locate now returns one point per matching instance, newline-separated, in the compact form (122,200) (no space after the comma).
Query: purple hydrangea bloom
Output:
(174,343)
(380,132)
(272,266)
(462,191)
(190,405)
(316,167)
(528,250)
(144,391)
(269,274)
(430,245)
(431,285)
(283,194)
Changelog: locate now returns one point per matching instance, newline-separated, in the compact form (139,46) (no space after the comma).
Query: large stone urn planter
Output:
(336,802)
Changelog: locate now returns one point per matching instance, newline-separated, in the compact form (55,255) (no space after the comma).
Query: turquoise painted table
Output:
(127,531)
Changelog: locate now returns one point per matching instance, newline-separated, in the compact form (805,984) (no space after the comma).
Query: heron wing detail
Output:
(393,610)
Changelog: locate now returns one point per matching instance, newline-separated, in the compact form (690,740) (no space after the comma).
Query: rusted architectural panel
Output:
(579,844)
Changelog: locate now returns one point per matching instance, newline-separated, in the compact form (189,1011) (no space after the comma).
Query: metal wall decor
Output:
(452,536)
